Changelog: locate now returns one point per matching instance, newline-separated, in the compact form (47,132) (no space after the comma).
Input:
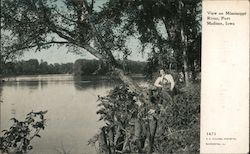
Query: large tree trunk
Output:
(193,71)
(184,54)
(184,45)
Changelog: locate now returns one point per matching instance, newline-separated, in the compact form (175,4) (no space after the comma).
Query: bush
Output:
(145,128)
(17,139)
(178,128)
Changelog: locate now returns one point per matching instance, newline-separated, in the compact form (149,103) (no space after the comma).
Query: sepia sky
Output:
(61,55)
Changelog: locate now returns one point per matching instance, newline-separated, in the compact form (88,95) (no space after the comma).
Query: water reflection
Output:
(37,81)
(80,82)
(88,82)
(94,82)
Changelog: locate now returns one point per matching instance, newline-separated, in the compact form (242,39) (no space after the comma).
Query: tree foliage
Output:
(18,138)
(97,67)
(33,66)
(172,28)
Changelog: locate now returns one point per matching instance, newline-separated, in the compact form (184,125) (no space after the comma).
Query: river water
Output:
(71,104)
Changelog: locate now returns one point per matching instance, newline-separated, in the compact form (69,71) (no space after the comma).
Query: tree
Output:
(166,25)
(43,67)
(7,54)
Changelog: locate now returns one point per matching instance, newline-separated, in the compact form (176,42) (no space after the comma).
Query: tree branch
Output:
(34,45)
(54,29)
(63,16)
(93,51)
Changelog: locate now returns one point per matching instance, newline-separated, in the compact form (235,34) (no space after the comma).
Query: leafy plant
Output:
(118,110)
(162,126)
(17,140)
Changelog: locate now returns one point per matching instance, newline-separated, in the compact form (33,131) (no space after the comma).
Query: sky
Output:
(60,55)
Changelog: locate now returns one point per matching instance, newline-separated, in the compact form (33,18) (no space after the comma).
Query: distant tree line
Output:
(33,66)
(79,67)
(97,67)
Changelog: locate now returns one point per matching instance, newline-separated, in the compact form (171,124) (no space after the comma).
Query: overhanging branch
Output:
(63,16)
(32,46)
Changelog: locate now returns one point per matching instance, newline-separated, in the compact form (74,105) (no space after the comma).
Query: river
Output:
(71,104)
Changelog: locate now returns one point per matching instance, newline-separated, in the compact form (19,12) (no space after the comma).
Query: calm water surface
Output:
(71,104)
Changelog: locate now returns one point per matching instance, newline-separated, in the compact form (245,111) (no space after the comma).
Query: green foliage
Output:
(18,138)
(80,67)
(119,105)
(98,67)
(179,131)
(136,67)
(158,61)
(118,110)
(33,66)
(144,16)
(172,123)
(169,27)
(89,67)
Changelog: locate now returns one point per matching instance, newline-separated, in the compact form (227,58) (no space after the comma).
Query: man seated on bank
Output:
(165,83)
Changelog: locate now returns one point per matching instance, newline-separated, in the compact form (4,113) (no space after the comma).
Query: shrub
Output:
(17,139)
(178,128)
(162,126)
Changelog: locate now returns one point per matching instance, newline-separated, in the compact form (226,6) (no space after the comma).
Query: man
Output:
(165,81)
(165,84)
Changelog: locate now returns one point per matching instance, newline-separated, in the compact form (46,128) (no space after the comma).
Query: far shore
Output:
(4,78)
